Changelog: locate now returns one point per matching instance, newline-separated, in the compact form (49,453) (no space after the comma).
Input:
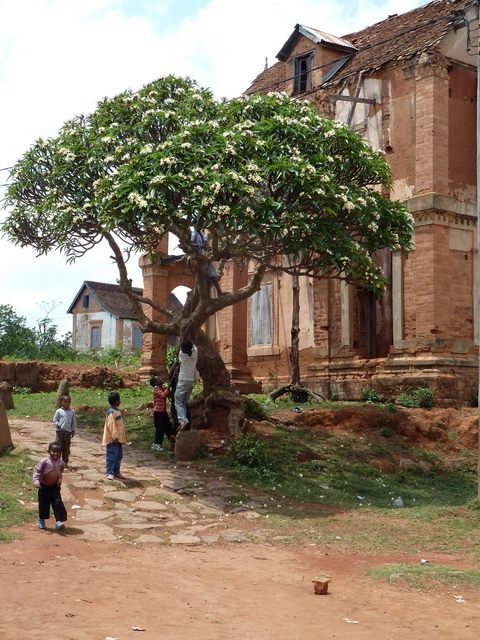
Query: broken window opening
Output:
(302,71)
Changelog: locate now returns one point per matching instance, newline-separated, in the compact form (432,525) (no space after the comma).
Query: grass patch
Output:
(41,406)
(138,421)
(315,466)
(425,577)
(16,487)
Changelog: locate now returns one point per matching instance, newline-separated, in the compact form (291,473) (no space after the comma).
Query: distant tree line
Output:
(19,342)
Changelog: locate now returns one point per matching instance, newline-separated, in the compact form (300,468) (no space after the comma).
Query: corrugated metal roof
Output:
(321,36)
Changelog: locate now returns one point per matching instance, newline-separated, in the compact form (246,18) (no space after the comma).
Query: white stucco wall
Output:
(83,323)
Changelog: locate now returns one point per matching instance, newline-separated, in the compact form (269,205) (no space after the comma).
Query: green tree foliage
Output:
(265,175)
(16,339)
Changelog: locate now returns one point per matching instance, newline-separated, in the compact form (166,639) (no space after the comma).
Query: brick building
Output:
(408,85)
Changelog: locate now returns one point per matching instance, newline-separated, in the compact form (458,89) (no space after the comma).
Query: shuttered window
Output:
(261,316)
(95,337)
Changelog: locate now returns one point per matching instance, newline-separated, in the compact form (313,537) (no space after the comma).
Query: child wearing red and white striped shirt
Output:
(161,421)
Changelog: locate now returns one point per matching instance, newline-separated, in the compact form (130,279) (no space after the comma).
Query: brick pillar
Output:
(431,125)
(155,287)
(234,334)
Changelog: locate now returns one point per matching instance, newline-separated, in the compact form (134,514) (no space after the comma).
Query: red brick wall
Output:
(462,146)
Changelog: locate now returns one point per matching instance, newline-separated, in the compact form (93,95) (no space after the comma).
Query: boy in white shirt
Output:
(188,372)
(65,422)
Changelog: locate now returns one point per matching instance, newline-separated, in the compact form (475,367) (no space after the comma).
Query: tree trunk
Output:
(298,393)
(295,330)
(216,387)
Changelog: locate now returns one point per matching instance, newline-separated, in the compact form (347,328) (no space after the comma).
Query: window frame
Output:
(303,78)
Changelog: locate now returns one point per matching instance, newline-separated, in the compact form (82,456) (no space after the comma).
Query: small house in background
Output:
(102,318)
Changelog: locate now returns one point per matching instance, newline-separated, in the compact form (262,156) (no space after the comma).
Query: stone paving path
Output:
(158,502)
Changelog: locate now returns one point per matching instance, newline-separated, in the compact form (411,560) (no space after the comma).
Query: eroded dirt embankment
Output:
(45,376)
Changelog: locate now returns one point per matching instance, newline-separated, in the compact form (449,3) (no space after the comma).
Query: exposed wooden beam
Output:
(337,96)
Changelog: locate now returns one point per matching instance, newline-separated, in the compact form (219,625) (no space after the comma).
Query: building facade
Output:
(408,86)
(102,318)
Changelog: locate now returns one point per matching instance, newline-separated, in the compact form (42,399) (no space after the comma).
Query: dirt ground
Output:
(55,586)
(60,585)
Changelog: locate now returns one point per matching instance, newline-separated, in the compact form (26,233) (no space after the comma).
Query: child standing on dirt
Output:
(47,477)
(114,437)
(65,422)
(161,421)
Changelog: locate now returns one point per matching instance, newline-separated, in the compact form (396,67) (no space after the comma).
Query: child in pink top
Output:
(47,476)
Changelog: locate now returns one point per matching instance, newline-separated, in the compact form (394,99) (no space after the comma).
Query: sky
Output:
(59,57)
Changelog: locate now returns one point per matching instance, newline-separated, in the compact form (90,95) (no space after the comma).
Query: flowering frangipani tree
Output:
(265,175)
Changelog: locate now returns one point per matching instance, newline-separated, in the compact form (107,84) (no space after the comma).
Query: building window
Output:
(95,338)
(261,316)
(137,338)
(302,71)
(86,302)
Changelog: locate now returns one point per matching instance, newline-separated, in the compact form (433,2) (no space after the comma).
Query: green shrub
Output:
(249,451)
(371,396)
(422,397)
(475,399)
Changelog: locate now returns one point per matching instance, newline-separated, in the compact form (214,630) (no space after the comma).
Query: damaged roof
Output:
(110,297)
(399,37)
(113,300)
(404,36)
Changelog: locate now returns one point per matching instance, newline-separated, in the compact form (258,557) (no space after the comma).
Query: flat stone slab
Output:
(176,523)
(92,516)
(150,538)
(184,539)
(83,484)
(176,485)
(204,509)
(182,508)
(145,516)
(92,475)
(217,485)
(210,539)
(137,526)
(239,509)
(157,491)
(119,506)
(213,501)
(125,496)
(67,495)
(96,532)
(254,505)
(228,493)
(233,536)
(150,505)
(131,520)
(93,502)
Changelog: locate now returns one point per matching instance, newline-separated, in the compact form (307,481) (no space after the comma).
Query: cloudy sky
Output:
(58,57)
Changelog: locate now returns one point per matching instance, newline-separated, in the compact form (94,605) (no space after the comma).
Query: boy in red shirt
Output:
(161,421)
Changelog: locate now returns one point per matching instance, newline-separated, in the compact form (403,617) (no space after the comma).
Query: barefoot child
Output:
(47,476)
(161,421)
(65,422)
(114,437)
